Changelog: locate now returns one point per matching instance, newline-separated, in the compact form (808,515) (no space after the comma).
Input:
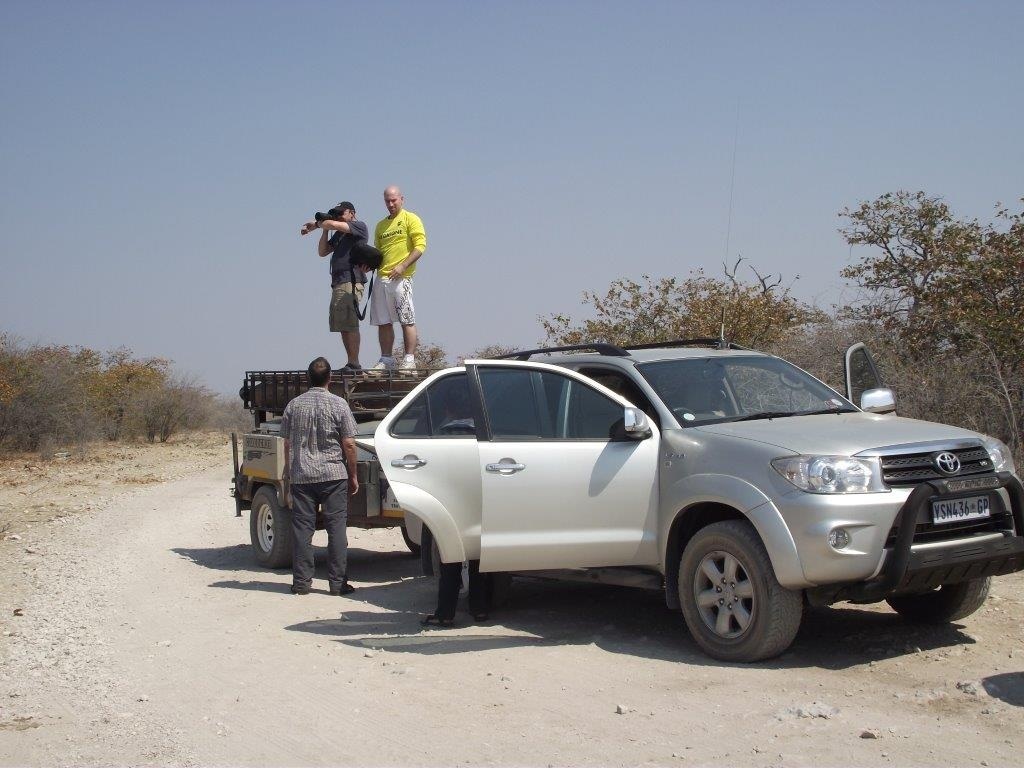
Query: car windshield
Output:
(716,389)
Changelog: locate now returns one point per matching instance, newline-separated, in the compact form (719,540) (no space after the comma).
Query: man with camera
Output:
(401,240)
(340,232)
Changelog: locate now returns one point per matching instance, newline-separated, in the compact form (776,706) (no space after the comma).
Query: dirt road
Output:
(146,635)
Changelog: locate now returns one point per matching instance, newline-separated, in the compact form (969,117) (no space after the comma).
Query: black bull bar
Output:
(905,570)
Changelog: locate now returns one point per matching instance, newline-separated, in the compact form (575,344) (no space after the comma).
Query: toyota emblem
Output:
(947,463)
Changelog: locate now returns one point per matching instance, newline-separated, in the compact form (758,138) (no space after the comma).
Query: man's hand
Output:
(308,227)
(396,271)
(353,485)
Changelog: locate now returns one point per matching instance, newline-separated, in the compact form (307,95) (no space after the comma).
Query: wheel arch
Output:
(686,523)
(435,518)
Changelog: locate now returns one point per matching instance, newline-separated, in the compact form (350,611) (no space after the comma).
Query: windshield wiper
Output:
(786,414)
(766,415)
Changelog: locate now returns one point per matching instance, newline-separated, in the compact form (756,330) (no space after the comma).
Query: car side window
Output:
(523,405)
(510,401)
(443,410)
(620,384)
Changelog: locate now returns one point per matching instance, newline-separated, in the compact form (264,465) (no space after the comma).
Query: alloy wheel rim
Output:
(724,594)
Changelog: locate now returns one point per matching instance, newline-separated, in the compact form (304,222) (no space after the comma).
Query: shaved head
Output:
(393,200)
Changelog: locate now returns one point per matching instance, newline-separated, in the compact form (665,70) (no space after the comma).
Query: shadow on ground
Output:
(1008,687)
(553,613)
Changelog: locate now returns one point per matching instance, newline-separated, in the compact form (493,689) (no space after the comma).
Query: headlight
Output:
(832,474)
(1002,459)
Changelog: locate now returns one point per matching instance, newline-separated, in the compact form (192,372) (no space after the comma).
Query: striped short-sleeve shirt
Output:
(314,424)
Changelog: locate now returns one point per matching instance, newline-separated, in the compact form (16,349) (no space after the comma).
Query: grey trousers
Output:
(332,496)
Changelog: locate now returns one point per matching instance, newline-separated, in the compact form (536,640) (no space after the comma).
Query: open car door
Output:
(568,479)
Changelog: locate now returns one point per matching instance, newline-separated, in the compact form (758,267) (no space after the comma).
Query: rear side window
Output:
(442,410)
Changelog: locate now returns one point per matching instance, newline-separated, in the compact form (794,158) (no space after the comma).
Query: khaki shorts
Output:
(343,315)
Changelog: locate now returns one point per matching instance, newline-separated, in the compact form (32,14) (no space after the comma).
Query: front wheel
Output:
(950,602)
(270,530)
(734,607)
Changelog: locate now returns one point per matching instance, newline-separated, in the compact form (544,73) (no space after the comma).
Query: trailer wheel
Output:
(412,545)
(950,602)
(270,530)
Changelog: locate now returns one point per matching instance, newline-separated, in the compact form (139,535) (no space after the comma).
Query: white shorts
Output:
(391,302)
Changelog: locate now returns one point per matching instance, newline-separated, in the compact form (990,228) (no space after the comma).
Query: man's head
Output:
(319,372)
(346,209)
(393,201)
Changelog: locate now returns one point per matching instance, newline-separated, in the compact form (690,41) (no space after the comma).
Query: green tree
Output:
(948,293)
(758,312)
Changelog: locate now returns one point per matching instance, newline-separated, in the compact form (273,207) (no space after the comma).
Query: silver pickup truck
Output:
(733,480)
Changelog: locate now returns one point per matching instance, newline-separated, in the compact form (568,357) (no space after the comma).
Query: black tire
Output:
(430,555)
(950,602)
(412,545)
(751,616)
(270,530)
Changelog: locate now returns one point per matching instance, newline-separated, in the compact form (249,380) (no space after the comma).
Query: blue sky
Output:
(157,160)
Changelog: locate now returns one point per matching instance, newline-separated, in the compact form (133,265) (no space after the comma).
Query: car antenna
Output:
(722,343)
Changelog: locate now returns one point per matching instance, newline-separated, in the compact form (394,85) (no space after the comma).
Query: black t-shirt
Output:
(342,243)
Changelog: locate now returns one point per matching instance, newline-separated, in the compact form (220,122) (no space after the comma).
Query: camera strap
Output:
(369,289)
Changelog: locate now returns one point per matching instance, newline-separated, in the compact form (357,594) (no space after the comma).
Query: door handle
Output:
(505,467)
(408,462)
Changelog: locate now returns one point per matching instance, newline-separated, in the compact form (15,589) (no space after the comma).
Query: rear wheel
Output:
(949,602)
(412,545)
(430,555)
(734,607)
(270,530)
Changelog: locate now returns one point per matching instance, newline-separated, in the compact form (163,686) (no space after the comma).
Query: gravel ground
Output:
(135,629)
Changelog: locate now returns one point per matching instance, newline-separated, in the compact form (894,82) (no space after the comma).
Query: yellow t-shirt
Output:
(396,237)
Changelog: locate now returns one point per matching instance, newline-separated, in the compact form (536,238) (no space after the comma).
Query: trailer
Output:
(260,482)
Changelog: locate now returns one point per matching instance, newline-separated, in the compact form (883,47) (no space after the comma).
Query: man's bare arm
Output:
(324,246)
(405,263)
(348,446)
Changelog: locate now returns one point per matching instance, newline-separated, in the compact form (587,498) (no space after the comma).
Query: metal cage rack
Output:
(369,396)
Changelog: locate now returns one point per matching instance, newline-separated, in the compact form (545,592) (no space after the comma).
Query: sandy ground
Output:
(135,629)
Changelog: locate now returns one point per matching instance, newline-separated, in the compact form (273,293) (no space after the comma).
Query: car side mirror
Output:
(635,424)
(881,400)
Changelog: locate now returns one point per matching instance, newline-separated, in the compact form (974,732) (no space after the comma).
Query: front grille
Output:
(913,468)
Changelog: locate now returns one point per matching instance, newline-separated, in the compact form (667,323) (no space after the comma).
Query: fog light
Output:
(838,538)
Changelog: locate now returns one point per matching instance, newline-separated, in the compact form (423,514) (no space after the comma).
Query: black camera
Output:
(332,215)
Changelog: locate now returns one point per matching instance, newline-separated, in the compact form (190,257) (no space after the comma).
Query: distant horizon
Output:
(159,160)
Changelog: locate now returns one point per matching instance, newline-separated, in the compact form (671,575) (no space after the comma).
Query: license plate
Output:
(956,510)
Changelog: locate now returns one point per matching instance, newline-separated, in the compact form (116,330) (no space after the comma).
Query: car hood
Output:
(842,434)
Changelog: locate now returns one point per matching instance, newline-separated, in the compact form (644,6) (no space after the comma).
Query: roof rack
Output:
(609,350)
(701,342)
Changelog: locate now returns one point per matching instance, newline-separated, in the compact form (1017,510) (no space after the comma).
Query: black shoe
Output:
(344,589)
(435,619)
(352,367)
(300,589)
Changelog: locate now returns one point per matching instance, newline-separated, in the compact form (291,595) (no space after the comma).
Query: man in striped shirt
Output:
(320,453)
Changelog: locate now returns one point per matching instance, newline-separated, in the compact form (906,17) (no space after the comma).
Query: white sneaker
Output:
(381,367)
(407,364)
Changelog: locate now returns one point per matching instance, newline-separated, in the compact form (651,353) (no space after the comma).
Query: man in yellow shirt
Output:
(401,240)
